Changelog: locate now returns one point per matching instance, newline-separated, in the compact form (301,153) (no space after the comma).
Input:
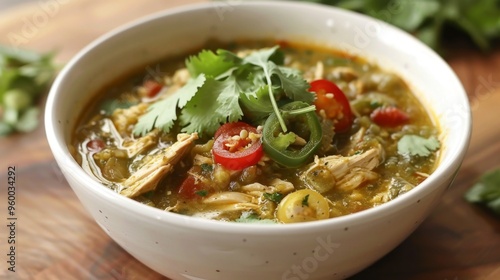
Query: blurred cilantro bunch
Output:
(426,19)
(486,191)
(24,76)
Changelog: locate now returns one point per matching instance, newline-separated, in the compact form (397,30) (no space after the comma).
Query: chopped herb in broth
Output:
(260,132)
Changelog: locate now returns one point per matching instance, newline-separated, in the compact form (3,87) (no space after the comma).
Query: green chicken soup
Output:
(268,132)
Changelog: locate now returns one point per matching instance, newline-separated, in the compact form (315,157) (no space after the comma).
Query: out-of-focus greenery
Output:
(486,191)
(480,19)
(24,76)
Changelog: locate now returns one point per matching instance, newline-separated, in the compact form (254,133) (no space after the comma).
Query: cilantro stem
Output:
(307,109)
(273,101)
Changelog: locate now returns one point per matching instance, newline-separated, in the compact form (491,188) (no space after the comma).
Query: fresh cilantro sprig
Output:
(486,191)
(294,88)
(427,19)
(24,76)
(222,87)
(252,218)
(274,197)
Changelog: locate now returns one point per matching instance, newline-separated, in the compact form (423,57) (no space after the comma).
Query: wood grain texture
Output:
(57,239)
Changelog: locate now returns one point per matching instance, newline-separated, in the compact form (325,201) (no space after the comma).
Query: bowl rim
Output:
(63,156)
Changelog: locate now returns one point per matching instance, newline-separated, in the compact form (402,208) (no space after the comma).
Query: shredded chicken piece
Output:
(199,160)
(319,71)
(345,173)
(277,185)
(181,76)
(127,148)
(148,176)
(137,146)
(235,207)
(229,198)
(228,202)
(355,178)
(358,136)
(124,119)
(345,73)
(381,198)
(249,199)
(355,139)
(282,186)
(359,86)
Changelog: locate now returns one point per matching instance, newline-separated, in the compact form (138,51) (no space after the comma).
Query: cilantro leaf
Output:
(202,193)
(205,167)
(486,191)
(305,201)
(255,104)
(223,87)
(163,113)
(248,217)
(209,63)
(415,145)
(274,197)
(292,83)
(218,98)
(260,58)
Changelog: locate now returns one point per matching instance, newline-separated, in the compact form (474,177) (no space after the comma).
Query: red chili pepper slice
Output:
(331,99)
(152,88)
(389,116)
(227,127)
(234,152)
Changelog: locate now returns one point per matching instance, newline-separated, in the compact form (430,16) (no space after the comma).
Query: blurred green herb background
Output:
(24,77)
(430,20)
(486,191)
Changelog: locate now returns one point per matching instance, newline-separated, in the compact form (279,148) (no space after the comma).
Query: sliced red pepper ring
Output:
(152,88)
(334,103)
(228,127)
(234,149)
(389,116)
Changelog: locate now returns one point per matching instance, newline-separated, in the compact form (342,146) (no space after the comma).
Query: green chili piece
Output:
(280,146)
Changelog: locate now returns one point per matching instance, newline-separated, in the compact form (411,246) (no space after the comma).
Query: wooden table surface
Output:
(57,239)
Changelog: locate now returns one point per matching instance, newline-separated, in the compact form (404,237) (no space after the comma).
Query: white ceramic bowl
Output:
(190,248)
